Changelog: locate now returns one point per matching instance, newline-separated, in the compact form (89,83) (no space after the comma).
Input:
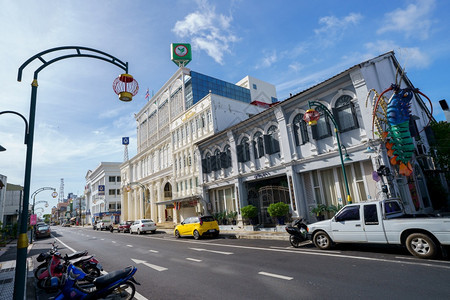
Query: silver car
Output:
(142,226)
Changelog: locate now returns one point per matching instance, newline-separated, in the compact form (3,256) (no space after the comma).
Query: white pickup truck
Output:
(383,222)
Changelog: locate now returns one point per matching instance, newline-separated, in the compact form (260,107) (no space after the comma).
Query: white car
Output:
(142,226)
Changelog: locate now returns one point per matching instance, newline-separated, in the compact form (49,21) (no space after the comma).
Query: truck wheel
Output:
(421,245)
(322,240)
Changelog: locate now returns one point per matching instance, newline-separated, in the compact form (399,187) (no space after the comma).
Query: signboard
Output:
(54,194)
(33,219)
(180,54)
(101,190)
(125,140)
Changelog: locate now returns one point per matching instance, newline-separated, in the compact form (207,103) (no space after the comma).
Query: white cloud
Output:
(268,60)
(413,21)
(208,31)
(412,57)
(333,28)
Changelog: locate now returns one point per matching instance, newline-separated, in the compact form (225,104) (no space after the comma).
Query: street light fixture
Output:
(54,194)
(22,242)
(311,117)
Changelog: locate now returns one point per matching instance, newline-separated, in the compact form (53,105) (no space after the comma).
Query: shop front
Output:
(177,210)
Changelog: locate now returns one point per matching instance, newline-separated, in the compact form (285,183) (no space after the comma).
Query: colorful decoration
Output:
(126,87)
(311,116)
(391,119)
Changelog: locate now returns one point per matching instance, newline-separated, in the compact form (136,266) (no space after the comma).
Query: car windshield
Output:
(147,221)
(207,219)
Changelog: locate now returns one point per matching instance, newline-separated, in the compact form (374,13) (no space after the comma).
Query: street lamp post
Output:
(311,116)
(22,242)
(34,200)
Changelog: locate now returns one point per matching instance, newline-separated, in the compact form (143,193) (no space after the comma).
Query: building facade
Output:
(11,197)
(103,192)
(275,156)
(162,181)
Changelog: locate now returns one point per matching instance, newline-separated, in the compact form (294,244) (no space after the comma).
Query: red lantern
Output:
(126,87)
(311,116)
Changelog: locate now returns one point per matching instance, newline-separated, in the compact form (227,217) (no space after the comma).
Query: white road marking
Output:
(303,249)
(71,249)
(155,267)
(153,251)
(319,253)
(193,259)
(131,246)
(113,242)
(275,275)
(212,251)
(102,239)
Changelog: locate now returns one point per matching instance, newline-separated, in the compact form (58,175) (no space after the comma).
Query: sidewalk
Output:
(8,255)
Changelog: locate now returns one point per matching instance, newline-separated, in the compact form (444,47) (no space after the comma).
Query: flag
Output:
(147,95)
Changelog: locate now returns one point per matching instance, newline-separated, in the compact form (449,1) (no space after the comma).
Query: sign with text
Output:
(101,190)
(33,219)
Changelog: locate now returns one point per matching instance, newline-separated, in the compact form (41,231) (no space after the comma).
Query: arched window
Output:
(322,129)
(206,163)
(243,150)
(271,143)
(227,152)
(345,114)
(167,190)
(300,130)
(258,145)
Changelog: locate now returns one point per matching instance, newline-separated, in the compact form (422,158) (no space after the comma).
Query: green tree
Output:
(440,145)
(47,218)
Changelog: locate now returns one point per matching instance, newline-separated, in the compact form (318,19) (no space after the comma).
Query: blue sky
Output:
(292,44)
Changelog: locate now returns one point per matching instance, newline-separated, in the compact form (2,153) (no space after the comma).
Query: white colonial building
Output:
(162,181)
(275,156)
(103,192)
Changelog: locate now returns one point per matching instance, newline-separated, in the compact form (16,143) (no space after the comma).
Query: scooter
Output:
(115,285)
(45,257)
(297,232)
(49,279)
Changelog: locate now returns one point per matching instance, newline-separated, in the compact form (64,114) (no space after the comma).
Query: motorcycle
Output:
(45,257)
(297,232)
(115,285)
(49,278)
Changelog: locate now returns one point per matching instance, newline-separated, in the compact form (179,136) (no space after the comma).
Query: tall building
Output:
(161,182)
(102,192)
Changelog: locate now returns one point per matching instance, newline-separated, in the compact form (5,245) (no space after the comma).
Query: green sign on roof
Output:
(181,54)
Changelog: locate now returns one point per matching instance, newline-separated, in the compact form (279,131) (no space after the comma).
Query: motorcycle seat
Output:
(113,276)
(75,255)
(80,259)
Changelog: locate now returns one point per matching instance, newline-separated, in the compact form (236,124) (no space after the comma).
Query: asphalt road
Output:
(170,268)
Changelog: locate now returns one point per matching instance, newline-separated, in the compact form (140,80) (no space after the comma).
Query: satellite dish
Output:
(375,176)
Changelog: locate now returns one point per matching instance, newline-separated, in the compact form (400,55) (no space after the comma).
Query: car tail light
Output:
(142,225)
(201,222)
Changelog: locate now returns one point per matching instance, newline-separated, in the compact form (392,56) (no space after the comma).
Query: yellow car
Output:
(197,227)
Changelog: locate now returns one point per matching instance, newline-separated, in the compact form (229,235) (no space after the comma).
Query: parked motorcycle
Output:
(45,257)
(115,285)
(49,277)
(297,232)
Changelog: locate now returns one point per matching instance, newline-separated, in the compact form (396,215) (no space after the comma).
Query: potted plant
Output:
(333,209)
(318,211)
(278,210)
(249,212)
(232,217)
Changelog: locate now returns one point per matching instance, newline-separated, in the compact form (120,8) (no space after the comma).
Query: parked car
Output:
(125,226)
(42,231)
(383,222)
(103,224)
(143,226)
(197,227)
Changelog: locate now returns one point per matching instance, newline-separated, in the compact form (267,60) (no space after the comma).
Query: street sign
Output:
(125,140)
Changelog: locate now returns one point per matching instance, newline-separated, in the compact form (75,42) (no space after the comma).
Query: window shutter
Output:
(315,134)
(240,153)
(276,145)
(214,166)
(255,150)
(413,128)
(204,166)
(336,118)
(223,160)
(267,144)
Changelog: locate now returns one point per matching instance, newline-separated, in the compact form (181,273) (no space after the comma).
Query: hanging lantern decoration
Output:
(126,87)
(311,116)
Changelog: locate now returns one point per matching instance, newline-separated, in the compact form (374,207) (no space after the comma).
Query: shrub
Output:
(249,211)
(278,209)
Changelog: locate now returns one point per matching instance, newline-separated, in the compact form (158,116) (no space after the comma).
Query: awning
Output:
(185,199)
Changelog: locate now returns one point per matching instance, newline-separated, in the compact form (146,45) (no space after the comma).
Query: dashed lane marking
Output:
(193,259)
(276,275)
